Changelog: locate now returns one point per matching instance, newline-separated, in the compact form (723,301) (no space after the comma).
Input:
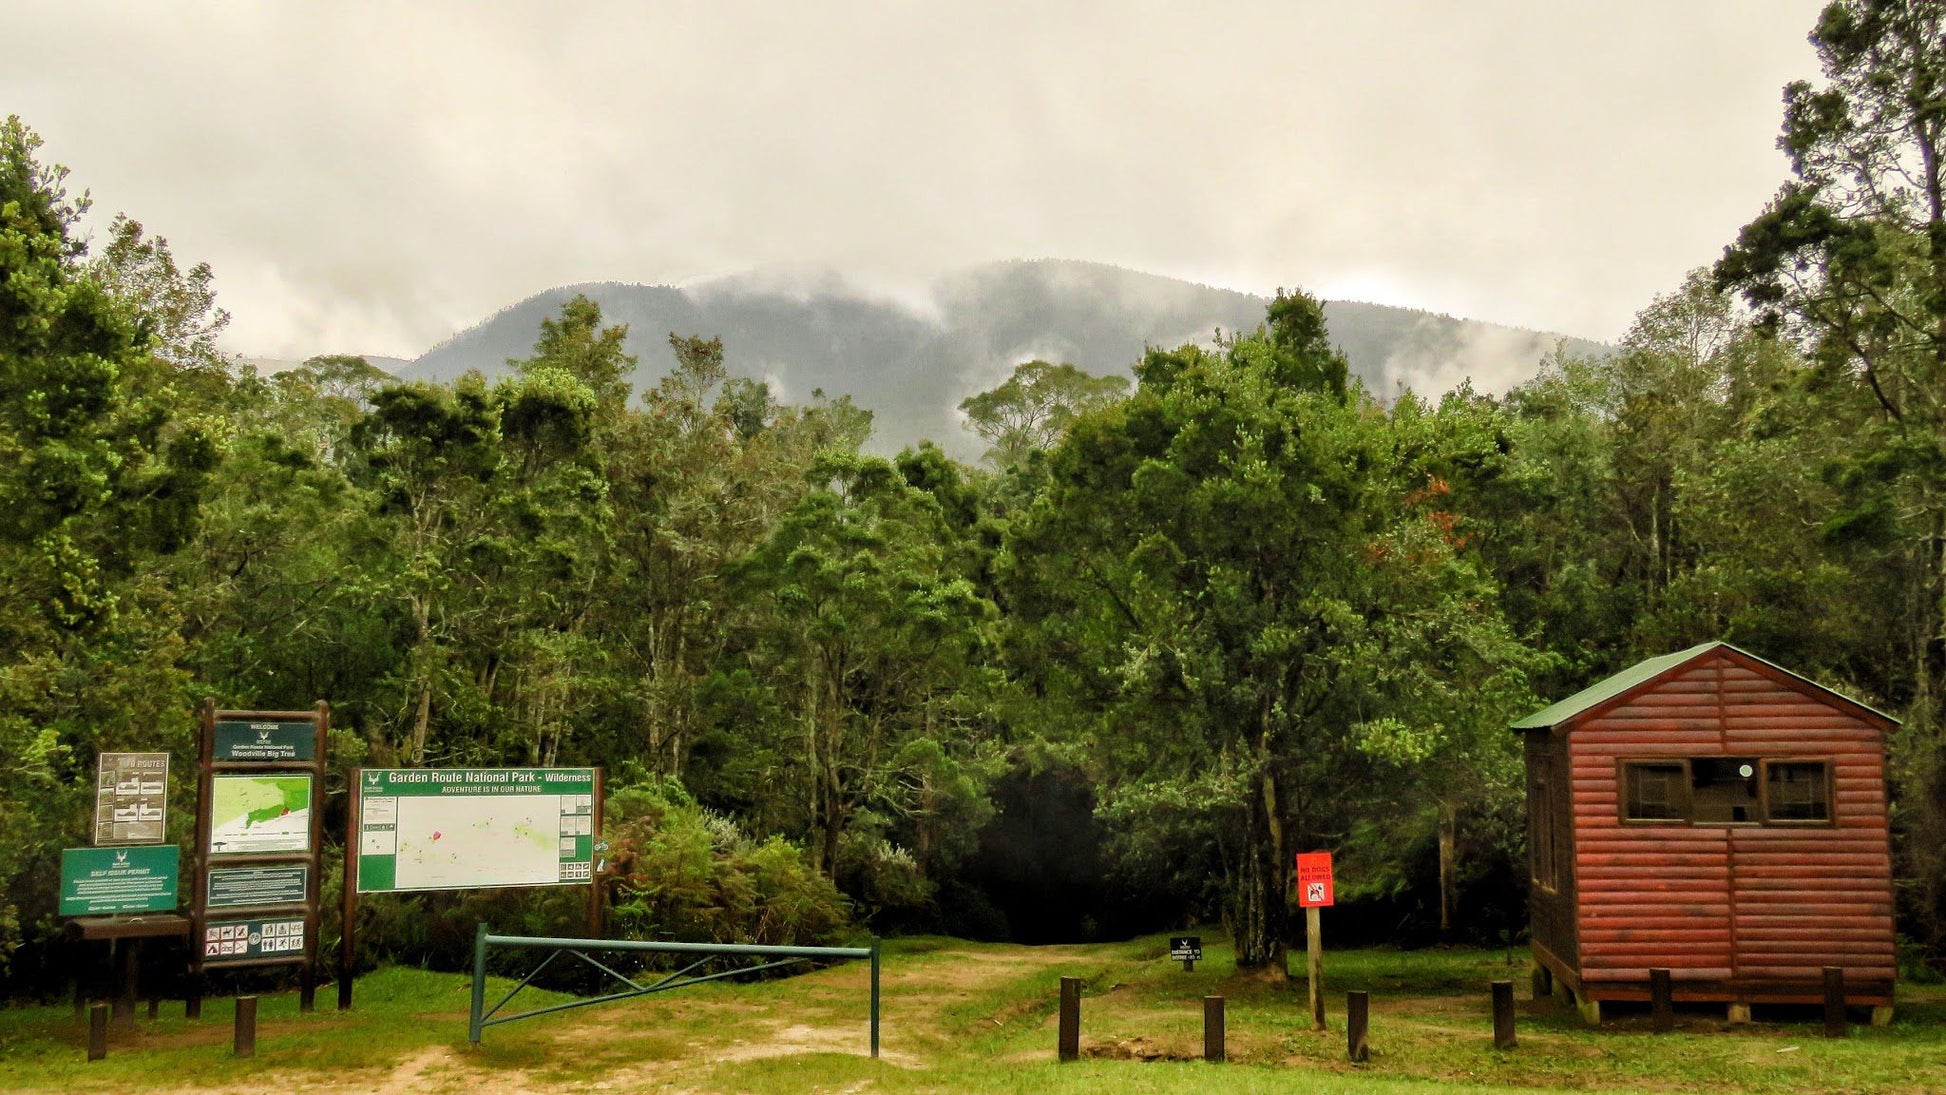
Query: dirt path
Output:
(824,1015)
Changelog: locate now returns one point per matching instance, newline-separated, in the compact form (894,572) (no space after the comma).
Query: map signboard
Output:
(246,887)
(245,940)
(108,881)
(131,798)
(258,814)
(281,740)
(467,828)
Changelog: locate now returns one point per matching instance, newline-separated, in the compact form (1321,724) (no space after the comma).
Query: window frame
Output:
(1830,818)
(1685,806)
(1543,869)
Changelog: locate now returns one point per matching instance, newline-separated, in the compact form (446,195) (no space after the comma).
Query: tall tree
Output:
(1850,259)
(1029,410)
(1224,567)
(861,612)
(100,481)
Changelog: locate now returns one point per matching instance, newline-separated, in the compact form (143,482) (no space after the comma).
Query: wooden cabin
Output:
(1715,815)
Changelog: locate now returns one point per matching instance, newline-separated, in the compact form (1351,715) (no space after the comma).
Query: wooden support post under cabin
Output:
(1314,961)
(1738,1013)
(128,966)
(245,1043)
(1213,1028)
(1834,1002)
(1503,1015)
(1358,1007)
(1882,1015)
(1068,1047)
(1543,979)
(97,1032)
(1662,1007)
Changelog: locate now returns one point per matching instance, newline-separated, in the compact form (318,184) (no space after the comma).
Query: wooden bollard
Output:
(1358,1007)
(1213,1028)
(97,1031)
(1834,1002)
(1662,1005)
(1503,1015)
(246,1027)
(1069,1047)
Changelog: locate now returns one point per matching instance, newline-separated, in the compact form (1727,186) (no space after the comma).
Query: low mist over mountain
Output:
(913,360)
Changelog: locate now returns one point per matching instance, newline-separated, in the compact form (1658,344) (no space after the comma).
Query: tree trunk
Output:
(813,769)
(1448,836)
(1262,899)
(422,657)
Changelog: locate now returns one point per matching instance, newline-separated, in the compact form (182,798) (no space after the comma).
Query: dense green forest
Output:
(1110,680)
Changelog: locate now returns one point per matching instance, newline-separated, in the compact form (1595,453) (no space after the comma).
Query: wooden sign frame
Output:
(201,916)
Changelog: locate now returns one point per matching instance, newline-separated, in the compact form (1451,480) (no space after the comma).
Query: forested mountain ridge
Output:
(1166,633)
(912,361)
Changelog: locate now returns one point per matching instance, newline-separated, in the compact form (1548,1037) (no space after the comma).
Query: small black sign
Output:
(243,887)
(1186,948)
(266,739)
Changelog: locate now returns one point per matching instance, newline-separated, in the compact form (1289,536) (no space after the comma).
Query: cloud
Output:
(373,177)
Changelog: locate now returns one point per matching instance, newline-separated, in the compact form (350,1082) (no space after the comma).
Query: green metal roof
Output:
(1643,672)
(1610,688)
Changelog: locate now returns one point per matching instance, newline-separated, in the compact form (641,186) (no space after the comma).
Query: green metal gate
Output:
(702,953)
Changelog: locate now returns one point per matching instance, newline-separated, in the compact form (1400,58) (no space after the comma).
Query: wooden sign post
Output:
(1314,892)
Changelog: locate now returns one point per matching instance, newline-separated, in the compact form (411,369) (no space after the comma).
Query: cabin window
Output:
(1655,791)
(1540,836)
(1723,791)
(1797,791)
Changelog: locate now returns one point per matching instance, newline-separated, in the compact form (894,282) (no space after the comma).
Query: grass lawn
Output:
(980,1018)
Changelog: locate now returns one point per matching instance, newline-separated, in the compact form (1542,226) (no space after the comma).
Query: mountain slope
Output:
(913,361)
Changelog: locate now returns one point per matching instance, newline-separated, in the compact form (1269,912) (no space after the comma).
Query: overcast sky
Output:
(371,178)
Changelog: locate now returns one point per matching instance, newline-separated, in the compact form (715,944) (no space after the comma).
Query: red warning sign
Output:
(1314,880)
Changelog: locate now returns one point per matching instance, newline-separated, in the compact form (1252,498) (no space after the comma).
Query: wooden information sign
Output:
(259,833)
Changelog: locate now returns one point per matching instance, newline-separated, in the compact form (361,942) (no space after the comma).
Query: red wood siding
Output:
(1738,907)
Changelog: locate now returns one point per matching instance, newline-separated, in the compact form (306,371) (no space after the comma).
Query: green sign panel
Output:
(266,739)
(253,815)
(106,881)
(243,887)
(246,940)
(468,828)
